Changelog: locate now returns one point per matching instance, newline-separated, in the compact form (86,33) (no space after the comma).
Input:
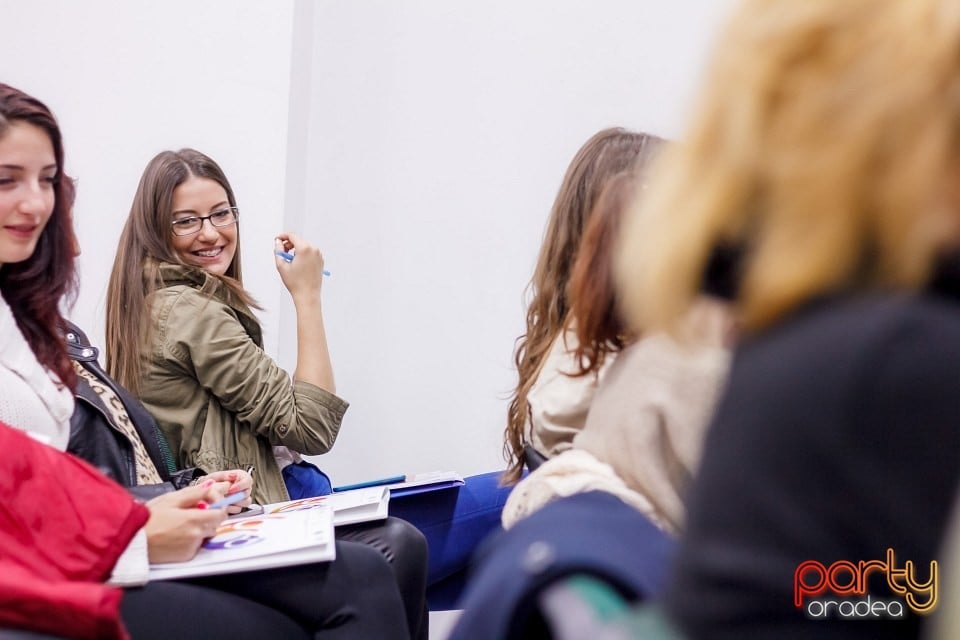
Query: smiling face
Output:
(212,248)
(28,172)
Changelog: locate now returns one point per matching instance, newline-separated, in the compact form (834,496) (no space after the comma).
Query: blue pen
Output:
(227,501)
(289,258)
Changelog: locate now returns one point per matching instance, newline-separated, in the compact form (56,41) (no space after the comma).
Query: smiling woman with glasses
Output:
(182,335)
(189,225)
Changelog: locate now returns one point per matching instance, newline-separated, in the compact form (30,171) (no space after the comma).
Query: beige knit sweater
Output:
(559,402)
(643,434)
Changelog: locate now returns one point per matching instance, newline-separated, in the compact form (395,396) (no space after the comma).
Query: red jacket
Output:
(62,527)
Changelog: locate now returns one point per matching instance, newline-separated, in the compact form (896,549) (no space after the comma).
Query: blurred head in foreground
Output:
(823,153)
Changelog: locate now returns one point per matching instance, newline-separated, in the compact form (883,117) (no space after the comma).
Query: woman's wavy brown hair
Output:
(594,311)
(604,155)
(35,288)
(145,244)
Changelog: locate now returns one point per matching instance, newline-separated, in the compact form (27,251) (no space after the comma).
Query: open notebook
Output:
(286,533)
(259,542)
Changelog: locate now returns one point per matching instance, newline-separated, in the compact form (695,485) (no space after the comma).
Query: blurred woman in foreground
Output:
(824,160)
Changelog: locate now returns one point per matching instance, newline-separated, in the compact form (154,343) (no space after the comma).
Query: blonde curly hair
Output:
(823,150)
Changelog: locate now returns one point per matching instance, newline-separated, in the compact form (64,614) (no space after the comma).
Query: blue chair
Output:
(590,534)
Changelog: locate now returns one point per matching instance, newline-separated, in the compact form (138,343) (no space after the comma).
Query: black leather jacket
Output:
(95,438)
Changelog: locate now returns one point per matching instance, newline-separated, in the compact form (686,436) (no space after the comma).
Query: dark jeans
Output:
(405,550)
(354,597)
(400,543)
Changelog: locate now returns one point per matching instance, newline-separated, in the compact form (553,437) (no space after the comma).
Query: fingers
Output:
(300,266)
(293,244)
(203,522)
(289,240)
(222,487)
(237,479)
(208,491)
(243,483)
(240,480)
(281,254)
(216,491)
(219,476)
(207,520)
(183,498)
(285,247)
(194,526)
(226,483)
(174,533)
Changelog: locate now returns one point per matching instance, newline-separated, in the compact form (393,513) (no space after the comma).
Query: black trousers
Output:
(405,549)
(355,597)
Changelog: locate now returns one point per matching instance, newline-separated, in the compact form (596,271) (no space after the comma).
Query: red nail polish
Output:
(201,505)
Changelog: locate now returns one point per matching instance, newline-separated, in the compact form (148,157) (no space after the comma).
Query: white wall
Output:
(420,143)
(438,135)
(129,79)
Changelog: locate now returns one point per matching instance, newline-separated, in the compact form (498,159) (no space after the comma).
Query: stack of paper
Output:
(349,507)
(423,482)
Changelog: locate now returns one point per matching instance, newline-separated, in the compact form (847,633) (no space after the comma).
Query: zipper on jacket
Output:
(165,451)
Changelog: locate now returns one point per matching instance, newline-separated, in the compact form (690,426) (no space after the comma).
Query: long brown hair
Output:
(824,149)
(605,154)
(35,288)
(145,244)
(594,311)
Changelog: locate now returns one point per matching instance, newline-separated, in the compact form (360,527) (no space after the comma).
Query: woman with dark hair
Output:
(551,400)
(36,268)
(66,530)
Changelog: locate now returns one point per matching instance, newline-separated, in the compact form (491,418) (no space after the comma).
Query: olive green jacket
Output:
(221,401)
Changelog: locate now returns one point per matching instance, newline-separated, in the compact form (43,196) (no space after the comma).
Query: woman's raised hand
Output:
(302,276)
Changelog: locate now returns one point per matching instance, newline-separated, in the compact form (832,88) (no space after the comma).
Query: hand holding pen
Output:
(231,501)
(176,527)
(232,482)
(288,257)
(302,274)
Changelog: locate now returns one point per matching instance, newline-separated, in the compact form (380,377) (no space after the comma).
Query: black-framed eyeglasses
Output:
(193,224)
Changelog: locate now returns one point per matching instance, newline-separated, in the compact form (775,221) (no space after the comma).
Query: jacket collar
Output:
(78,345)
(176,274)
(173,275)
